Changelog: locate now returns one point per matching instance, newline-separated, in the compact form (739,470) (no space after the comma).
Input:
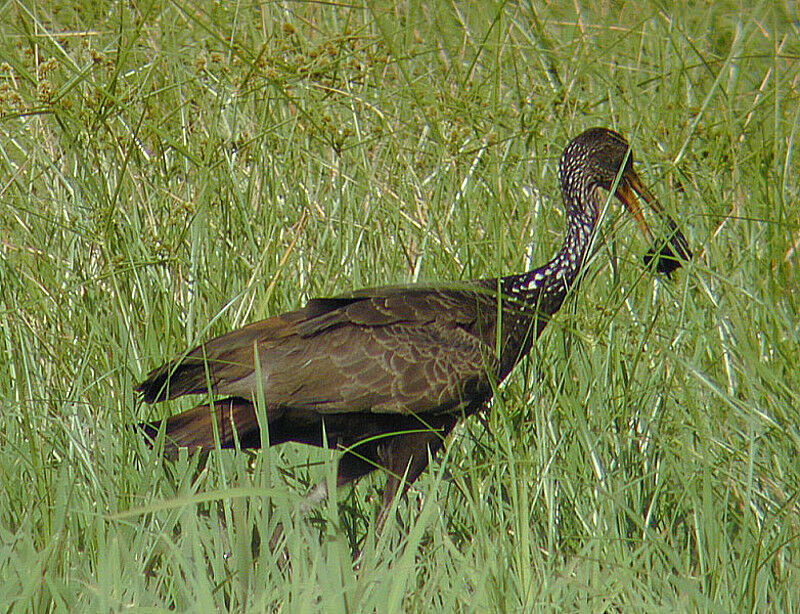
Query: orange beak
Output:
(676,247)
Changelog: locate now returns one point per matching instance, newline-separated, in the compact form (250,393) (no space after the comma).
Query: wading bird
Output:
(384,374)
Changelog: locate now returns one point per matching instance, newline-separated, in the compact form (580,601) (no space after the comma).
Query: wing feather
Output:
(394,351)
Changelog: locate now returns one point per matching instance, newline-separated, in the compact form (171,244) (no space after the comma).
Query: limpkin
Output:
(384,374)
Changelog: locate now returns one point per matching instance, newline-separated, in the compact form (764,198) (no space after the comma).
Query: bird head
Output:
(600,157)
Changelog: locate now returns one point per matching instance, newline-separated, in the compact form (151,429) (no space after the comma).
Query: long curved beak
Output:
(675,249)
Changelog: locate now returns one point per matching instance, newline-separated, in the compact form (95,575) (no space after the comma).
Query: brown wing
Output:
(390,350)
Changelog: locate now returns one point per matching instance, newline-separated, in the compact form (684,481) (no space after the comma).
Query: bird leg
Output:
(403,454)
(401,445)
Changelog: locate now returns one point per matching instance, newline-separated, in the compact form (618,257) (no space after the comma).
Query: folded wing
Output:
(387,351)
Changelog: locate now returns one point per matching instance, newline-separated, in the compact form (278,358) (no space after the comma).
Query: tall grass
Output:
(169,171)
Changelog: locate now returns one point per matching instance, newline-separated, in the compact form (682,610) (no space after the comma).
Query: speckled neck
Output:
(548,285)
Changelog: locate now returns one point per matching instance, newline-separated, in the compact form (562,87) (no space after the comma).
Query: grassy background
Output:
(171,170)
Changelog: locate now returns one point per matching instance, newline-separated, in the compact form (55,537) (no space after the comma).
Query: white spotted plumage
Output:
(547,286)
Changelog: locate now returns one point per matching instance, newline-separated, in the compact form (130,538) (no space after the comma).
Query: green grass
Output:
(169,171)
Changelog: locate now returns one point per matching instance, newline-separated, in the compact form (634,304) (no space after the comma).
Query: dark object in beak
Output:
(666,261)
(669,255)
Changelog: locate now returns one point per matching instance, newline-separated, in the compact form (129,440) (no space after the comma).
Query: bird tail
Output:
(187,375)
(233,421)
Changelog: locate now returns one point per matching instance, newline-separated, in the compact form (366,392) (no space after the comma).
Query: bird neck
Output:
(547,286)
